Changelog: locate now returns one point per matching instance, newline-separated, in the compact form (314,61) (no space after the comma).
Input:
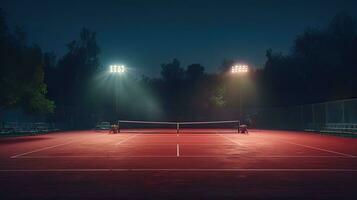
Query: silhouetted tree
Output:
(172,72)
(194,72)
(226,65)
(320,67)
(76,69)
(21,72)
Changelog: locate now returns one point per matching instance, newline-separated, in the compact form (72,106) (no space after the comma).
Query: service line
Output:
(126,139)
(240,144)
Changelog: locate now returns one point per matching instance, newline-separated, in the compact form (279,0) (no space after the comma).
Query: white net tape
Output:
(178,124)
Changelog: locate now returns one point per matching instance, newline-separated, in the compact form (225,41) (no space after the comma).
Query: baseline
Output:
(185,170)
(178,155)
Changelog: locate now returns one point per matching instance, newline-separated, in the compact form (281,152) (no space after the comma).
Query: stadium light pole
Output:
(116,70)
(240,70)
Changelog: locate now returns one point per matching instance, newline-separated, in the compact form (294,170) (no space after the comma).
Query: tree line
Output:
(321,66)
(21,72)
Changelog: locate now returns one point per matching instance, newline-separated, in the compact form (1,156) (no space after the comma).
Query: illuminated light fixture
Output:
(119,69)
(239,69)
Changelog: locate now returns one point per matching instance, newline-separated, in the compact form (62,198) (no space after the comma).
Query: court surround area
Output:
(159,163)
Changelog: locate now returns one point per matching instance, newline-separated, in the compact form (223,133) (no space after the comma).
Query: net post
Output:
(177,128)
(118,126)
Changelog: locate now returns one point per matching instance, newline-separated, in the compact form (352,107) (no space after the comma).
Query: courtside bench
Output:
(102,126)
(26,128)
(340,128)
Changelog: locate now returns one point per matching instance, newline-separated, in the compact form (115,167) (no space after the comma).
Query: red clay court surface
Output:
(98,165)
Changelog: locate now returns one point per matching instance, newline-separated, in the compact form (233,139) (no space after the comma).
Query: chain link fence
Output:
(309,117)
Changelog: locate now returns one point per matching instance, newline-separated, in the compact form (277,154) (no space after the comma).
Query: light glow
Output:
(117,69)
(239,69)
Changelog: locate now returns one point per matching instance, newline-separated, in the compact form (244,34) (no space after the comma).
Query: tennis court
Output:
(161,163)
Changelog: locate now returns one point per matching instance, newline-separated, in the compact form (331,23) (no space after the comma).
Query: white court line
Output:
(184,170)
(192,156)
(45,148)
(126,139)
(184,144)
(177,150)
(232,140)
(271,156)
(316,148)
(94,156)
(42,149)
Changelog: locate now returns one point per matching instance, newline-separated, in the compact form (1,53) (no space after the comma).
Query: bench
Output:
(26,128)
(339,128)
(103,126)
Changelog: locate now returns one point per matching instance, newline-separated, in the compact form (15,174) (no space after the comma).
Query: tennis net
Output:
(178,127)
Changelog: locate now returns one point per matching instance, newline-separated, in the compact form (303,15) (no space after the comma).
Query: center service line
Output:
(177,150)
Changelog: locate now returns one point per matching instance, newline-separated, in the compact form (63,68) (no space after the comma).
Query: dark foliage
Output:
(21,72)
(321,66)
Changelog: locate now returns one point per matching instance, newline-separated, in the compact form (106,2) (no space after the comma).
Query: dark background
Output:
(144,34)
(54,59)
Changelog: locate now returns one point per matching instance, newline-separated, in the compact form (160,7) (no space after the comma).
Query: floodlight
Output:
(117,69)
(239,69)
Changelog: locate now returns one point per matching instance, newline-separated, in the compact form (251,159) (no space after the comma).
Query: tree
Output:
(172,72)
(320,67)
(226,65)
(77,68)
(21,73)
(194,72)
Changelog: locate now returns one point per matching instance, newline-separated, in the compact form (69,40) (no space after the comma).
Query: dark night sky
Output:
(144,34)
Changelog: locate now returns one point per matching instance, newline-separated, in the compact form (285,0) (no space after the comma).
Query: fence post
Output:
(343,111)
(302,117)
(326,113)
(313,116)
